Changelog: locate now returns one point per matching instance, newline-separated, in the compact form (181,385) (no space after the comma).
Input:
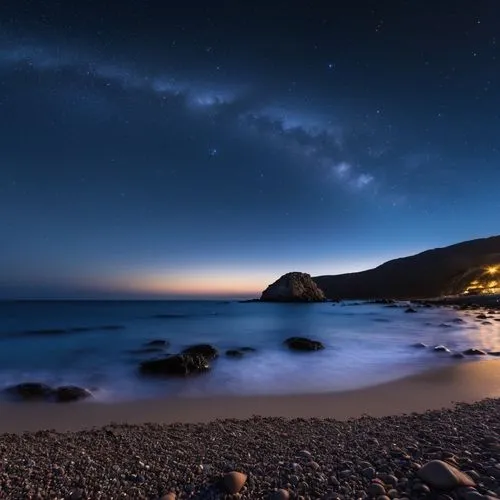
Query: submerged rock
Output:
(29,391)
(157,343)
(293,287)
(70,393)
(205,350)
(410,310)
(474,352)
(441,348)
(180,364)
(420,345)
(303,344)
(234,353)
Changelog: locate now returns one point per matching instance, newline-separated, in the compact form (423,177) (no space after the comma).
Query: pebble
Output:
(234,481)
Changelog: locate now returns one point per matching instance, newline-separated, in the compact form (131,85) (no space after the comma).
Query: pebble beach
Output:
(264,458)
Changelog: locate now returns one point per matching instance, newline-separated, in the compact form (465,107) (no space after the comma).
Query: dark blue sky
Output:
(148,150)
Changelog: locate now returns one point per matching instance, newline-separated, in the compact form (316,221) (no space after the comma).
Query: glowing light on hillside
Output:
(492,269)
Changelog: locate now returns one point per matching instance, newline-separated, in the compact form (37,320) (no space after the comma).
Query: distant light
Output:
(492,269)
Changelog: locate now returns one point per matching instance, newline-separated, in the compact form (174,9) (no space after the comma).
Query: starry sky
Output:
(164,149)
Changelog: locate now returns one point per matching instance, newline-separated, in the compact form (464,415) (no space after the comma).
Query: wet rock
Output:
(157,343)
(303,344)
(71,393)
(441,348)
(206,350)
(181,364)
(494,353)
(234,482)
(234,353)
(29,391)
(474,352)
(420,345)
(410,310)
(458,355)
(443,476)
(247,349)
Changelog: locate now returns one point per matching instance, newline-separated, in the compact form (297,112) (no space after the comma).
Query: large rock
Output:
(181,364)
(205,350)
(29,391)
(303,344)
(293,287)
(443,476)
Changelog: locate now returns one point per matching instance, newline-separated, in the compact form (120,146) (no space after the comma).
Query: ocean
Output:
(92,344)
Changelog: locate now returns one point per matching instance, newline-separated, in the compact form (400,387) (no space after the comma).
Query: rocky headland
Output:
(471,267)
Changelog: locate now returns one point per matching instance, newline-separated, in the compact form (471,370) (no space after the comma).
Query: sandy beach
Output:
(467,381)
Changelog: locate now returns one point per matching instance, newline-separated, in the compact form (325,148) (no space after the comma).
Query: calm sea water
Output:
(365,344)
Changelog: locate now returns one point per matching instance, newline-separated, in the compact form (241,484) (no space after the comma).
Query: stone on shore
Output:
(234,482)
(293,287)
(281,494)
(443,476)
(169,496)
(303,344)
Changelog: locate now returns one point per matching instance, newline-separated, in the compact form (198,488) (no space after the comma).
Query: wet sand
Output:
(467,381)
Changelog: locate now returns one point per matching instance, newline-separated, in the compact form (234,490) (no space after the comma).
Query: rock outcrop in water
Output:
(293,287)
(443,271)
(180,364)
(35,391)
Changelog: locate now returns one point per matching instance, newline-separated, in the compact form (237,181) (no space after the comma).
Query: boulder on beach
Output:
(206,350)
(303,344)
(180,364)
(443,476)
(293,287)
(70,393)
(29,391)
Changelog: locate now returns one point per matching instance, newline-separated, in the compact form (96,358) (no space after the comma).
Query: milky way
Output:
(160,148)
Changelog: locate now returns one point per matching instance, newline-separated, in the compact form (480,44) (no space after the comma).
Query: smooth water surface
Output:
(90,343)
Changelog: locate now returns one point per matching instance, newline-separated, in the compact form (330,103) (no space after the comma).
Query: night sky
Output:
(154,148)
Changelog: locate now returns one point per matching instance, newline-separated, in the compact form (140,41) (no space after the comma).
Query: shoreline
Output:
(436,389)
